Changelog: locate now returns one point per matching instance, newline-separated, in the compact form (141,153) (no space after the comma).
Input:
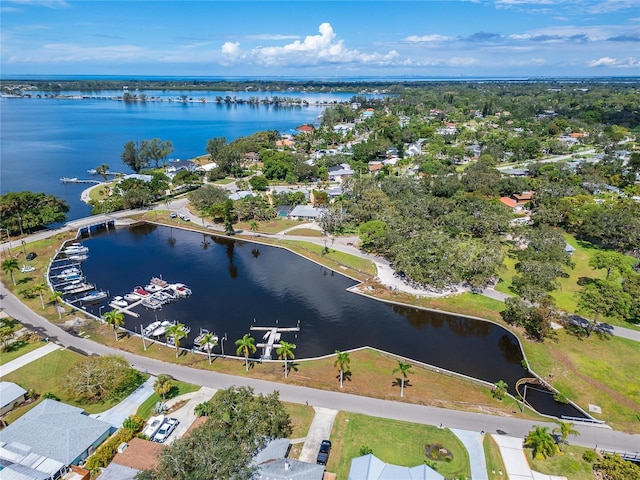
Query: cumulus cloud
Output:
(629,62)
(324,48)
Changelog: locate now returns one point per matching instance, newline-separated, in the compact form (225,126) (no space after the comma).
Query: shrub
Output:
(105,453)
(589,456)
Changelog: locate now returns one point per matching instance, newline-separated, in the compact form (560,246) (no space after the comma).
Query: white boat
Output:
(150,328)
(159,281)
(164,297)
(151,302)
(78,257)
(75,249)
(72,285)
(119,301)
(27,268)
(152,287)
(81,288)
(66,273)
(181,289)
(70,278)
(141,292)
(162,328)
(94,296)
(131,297)
(199,340)
(171,341)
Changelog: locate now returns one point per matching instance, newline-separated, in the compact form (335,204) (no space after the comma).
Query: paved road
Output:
(513,426)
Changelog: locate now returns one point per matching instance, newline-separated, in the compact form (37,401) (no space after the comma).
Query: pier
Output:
(272,336)
(77,180)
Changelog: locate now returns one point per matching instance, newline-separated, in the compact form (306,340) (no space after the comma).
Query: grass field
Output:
(145,410)
(334,259)
(570,464)
(392,441)
(18,349)
(495,465)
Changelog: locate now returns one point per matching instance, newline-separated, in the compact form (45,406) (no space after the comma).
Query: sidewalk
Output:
(515,462)
(20,362)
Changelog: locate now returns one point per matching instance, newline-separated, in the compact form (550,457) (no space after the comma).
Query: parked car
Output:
(173,214)
(323,454)
(166,430)
(31,255)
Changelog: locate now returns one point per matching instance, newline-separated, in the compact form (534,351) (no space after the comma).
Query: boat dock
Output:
(127,310)
(77,180)
(272,336)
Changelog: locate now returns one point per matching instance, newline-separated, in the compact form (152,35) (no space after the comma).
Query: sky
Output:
(321,39)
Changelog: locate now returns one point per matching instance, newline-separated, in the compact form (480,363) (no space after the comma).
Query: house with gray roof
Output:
(273,465)
(306,212)
(11,395)
(58,431)
(370,467)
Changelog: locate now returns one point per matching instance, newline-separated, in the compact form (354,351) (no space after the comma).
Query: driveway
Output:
(319,430)
(129,406)
(186,414)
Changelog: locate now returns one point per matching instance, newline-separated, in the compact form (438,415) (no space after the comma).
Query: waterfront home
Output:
(175,166)
(370,467)
(306,213)
(273,464)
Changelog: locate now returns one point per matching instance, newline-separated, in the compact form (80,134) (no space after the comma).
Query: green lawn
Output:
(495,464)
(47,374)
(301,417)
(351,261)
(145,410)
(17,349)
(392,441)
(570,464)
(224,181)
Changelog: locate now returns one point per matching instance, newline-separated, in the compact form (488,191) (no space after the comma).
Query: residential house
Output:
(252,157)
(305,129)
(339,172)
(306,212)
(207,167)
(11,395)
(51,437)
(138,176)
(375,166)
(412,149)
(448,129)
(136,455)
(370,467)
(517,201)
(175,166)
(343,128)
(273,464)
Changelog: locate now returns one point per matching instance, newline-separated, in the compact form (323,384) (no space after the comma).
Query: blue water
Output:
(42,140)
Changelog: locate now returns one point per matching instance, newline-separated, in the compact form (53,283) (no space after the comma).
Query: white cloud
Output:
(267,36)
(324,48)
(629,62)
(428,38)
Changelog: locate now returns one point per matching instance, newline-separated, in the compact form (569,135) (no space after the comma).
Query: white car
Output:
(166,429)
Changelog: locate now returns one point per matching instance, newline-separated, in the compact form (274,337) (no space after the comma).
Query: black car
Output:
(32,255)
(323,454)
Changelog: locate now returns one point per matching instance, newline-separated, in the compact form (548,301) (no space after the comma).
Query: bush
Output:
(589,456)
(105,453)
(133,423)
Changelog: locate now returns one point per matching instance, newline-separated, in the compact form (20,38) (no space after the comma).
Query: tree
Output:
(6,334)
(610,261)
(564,429)
(542,443)
(56,299)
(342,363)
(38,289)
(246,346)
(115,318)
(404,369)
(253,225)
(102,171)
(285,351)
(614,467)
(259,182)
(26,211)
(9,266)
(177,332)
(132,156)
(603,298)
(163,385)
(209,341)
(500,389)
(156,150)
(238,425)
(95,378)
(229,217)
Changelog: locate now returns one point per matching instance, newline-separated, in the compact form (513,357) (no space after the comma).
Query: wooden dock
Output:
(272,336)
(127,309)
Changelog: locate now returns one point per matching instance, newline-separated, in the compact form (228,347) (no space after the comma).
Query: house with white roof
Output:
(370,467)
(306,212)
(11,395)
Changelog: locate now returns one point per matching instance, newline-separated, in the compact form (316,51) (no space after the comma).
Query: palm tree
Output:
(500,388)
(115,318)
(542,443)
(9,266)
(253,225)
(177,332)
(208,342)
(246,345)
(565,429)
(342,363)
(38,289)
(284,351)
(163,385)
(102,171)
(56,298)
(405,370)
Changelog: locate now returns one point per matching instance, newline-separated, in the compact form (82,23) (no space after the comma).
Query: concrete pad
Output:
(472,441)
(513,457)
(20,362)
(127,407)
(186,414)
(319,430)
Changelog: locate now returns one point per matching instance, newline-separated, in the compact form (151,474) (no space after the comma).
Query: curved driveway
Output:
(591,436)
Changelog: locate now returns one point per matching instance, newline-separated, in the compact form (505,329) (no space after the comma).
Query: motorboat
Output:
(70,278)
(119,301)
(162,328)
(170,340)
(199,340)
(132,297)
(67,272)
(75,249)
(80,288)
(152,287)
(164,297)
(141,292)
(27,268)
(72,285)
(160,282)
(78,257)
(94,296)
(146,331)
(181,289)
(151,302)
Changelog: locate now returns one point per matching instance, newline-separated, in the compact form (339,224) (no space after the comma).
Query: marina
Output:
(272,337)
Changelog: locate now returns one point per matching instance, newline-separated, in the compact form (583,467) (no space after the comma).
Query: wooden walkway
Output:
(272,336)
